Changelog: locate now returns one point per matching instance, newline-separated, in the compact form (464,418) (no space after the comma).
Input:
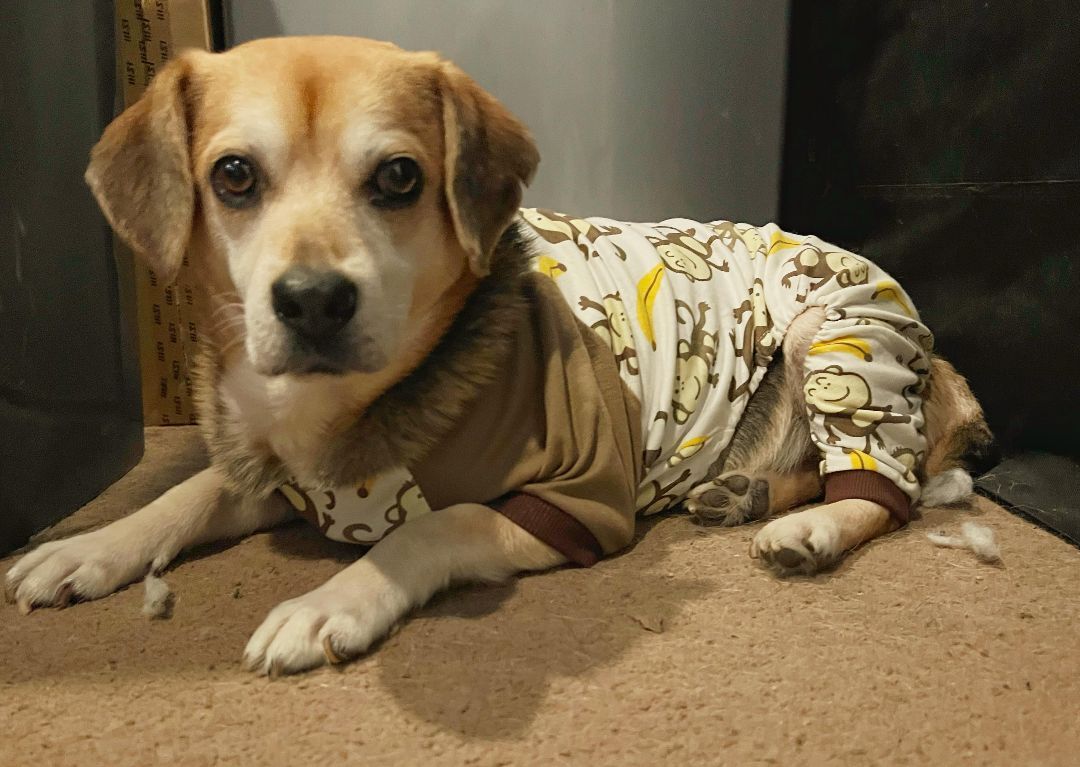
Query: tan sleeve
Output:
(558,425)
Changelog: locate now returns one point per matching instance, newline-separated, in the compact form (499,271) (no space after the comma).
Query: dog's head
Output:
(340,187)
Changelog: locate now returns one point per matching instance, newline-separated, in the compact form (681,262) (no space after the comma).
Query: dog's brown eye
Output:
(397,182)
(234,181)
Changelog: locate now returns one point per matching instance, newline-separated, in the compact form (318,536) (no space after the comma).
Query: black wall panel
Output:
(70,414)
(942,139)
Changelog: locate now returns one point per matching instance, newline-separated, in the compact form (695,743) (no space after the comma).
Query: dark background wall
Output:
(70,418)
(942,139)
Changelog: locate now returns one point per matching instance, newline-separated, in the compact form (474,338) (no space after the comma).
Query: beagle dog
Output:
(395,351)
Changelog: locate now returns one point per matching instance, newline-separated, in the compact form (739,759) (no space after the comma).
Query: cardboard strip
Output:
(148,32)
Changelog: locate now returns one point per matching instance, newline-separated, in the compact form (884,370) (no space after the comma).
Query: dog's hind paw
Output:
(730,499)
(803,543)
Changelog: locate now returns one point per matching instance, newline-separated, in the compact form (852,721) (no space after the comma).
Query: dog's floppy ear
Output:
(140,172)
(489,157)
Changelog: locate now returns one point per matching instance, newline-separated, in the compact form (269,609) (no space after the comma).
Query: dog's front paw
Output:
(802,543)
(335,622)
(87,566)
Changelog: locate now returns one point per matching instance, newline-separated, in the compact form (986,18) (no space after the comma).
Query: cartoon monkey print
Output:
(651,455)
(919,365)
(820,266)
(757,345)
(409,500)
(844,401)
(911,460)
(305,507)
(694,366)
(655,497)
(681,252)
(558,228)
(731,233)
(614,328)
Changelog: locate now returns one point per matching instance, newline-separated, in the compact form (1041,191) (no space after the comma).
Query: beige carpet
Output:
(680,651)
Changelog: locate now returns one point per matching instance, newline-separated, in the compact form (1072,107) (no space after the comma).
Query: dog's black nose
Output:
(314,304)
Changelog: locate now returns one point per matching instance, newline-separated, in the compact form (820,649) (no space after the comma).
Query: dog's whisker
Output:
(230,346)
(235,306)
(230,323)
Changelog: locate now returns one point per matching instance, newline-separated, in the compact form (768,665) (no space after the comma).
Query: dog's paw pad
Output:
(791,559)
(730,499)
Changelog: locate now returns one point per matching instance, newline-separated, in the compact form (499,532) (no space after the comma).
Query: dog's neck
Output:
(379,424)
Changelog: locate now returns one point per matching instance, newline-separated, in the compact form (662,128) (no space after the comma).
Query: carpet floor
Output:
(681,650)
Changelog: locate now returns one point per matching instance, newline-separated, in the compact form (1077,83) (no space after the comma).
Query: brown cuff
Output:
(869,486)
(552,525)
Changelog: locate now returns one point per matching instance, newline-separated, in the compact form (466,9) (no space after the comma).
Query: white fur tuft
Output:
(979,539)
(947,487)
(159,599)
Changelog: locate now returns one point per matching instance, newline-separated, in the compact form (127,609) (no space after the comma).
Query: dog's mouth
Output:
(321,368)
(301,358)
(309,368)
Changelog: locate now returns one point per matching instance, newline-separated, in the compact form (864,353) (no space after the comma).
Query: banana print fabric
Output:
(694,312)
(643,345)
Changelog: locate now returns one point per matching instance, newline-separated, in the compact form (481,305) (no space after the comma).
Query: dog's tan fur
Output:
(317,113)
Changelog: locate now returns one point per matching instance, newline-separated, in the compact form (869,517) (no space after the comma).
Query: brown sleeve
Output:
(869,486)
(559,530)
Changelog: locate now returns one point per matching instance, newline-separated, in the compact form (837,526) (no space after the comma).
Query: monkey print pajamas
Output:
(670,327)
(694,313)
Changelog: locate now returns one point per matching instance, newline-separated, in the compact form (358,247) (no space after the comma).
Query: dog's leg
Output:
(769,465)
(814,539)
(738,497)
(343,617)
(97,563)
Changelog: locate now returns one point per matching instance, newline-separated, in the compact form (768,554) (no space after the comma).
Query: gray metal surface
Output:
(642,109)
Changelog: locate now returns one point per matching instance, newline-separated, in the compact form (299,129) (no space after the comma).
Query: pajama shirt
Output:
(690,316)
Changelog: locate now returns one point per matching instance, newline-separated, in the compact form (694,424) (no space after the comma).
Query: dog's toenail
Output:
(331,654)
(64,594)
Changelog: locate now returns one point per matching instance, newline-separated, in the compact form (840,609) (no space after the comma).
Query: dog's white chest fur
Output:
(288,414)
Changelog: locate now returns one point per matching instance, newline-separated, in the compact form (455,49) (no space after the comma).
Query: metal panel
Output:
(642,109)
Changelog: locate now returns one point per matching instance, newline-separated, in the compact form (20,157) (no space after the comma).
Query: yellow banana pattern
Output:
(548,266)
(780,240)
(887,290)
(647,289)
(688,449)
(860,460)
(844,345)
